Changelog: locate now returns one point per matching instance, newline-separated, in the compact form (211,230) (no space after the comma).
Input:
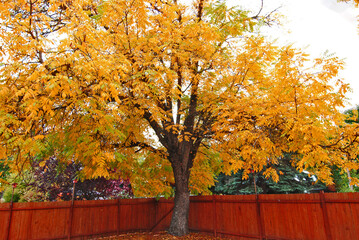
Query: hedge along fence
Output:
(295,216)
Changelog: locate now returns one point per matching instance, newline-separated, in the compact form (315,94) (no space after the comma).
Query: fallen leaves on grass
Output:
(161,236)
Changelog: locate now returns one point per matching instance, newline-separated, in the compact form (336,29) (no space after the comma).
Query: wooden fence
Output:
(328,216)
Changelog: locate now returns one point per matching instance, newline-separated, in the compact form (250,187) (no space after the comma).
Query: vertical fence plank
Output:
(71,210)
(325,216)
(118,216)
(259,219)
(11,207)
(70,220)
(9,222)
(156,209)
(214,215)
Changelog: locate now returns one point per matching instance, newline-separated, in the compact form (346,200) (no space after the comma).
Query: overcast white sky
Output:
(317,26)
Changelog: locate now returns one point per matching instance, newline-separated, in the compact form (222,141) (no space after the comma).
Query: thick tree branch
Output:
(146,146)
(200,10)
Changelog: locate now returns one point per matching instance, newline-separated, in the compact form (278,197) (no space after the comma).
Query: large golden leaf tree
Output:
(164,94)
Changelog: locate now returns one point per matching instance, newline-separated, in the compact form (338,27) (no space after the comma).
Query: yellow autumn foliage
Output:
(149,89)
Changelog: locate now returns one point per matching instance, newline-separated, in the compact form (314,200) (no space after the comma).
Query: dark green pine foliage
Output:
(4,173)
(4,170)
(290,181)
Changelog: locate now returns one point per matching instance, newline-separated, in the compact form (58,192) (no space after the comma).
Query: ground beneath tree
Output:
(161,236)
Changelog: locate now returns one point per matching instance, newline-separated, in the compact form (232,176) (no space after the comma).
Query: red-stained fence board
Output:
(4,219)
(39,220)
(245,217)
(163,214)
(94,217)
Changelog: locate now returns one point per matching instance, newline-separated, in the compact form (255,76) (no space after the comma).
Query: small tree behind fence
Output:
(293,216)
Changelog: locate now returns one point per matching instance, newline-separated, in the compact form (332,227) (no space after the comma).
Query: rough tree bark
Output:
(181,165)
(179,222)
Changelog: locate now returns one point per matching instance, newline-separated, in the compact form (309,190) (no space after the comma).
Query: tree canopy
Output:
(164,94)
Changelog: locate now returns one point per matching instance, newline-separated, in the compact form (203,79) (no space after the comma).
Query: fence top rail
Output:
(349,198)
(279,201)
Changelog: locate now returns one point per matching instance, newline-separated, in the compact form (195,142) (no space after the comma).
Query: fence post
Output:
(118,216)
(214,215)
(9,223)
(325,216)
(259,219)
(71,210)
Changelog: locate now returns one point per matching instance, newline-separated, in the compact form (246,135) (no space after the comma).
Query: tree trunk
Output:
(179,221)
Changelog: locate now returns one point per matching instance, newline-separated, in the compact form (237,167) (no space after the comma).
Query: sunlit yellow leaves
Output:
(284,103)
(271,173)
(150,176)
(39,137)
(3,154)
(3,183)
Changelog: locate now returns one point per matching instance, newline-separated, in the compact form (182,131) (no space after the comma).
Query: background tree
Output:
(53,181)
(4,173)
(290,181)
(343,177)
(17,188)
(164,94)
